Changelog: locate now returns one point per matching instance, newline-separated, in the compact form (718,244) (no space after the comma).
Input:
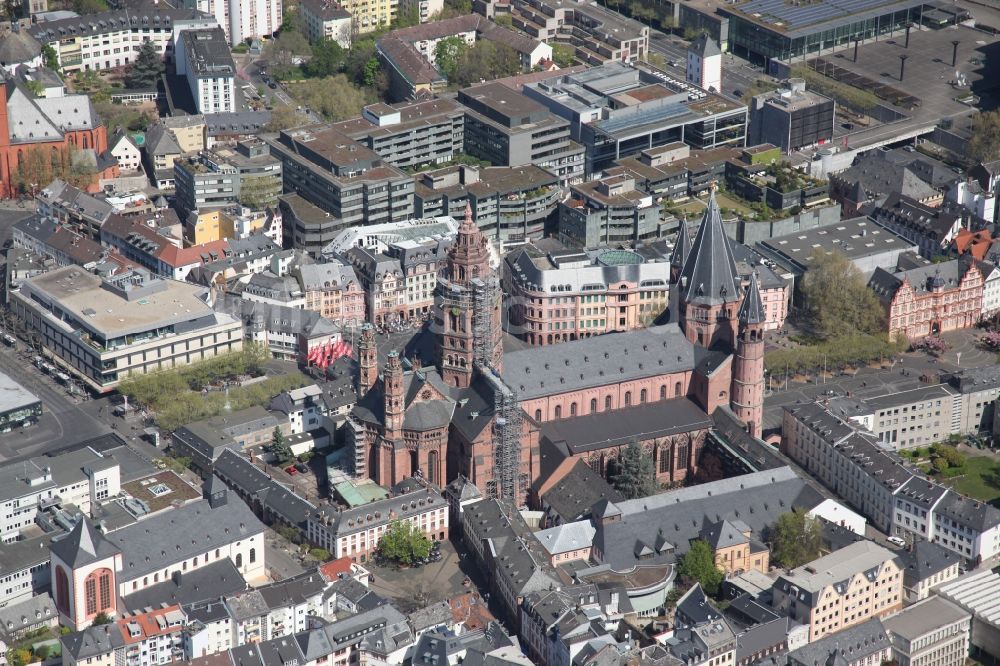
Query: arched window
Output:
(663,392)
(253,555)
(607,402)
(677,390)
(572,409)
(642,396)
(97,592)
(664,459)
(593,405)
(62,590)
(218,553)
(628,398)
(558,411)
(432,467)
(239,560)
(538,415)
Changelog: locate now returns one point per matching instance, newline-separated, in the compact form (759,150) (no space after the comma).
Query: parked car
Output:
(291,470)
(301,467)
(896,541)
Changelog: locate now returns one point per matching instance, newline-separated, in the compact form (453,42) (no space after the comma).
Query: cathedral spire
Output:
(709,275)
(681,251)
(752,310)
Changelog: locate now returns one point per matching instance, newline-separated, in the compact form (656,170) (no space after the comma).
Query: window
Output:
(239,560)
(253,555)
(677,390)
(593,405)
(663,392)
(558,411)
(642,396)
(607,402)
(538,415)
(572,409)
(97,591)
(628,398)
(62,590)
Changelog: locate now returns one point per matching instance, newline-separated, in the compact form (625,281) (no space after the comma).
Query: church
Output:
(483,413)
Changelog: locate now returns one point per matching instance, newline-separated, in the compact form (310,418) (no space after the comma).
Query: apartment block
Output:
(505,128)
(242,20)
(342,177)
(247,174)
(840,590)
(204,59)
(104,330)
(107,40)
(608,211)
(410,135)
(906,419)
(508,203)
(564,294)
(860,645)
(326,19)
(934,632)
(792,117)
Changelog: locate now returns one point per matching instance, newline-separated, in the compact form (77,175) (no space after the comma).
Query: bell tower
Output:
(747,394)
(84,567)
(367,359)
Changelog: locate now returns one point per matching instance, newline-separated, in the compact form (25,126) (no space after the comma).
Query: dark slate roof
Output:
(18,46)
(682,246)
(93,641)
(579,490)
(293,591)
(752,309)
(925,559)
(849,646)
(710,276)
(208,583)
(704,46)
(694,609)
(252,481)
(83,545)
(642,422)
(280,652)
(969,512)
(761,637)
(418,414)
(722,534)
(596,361)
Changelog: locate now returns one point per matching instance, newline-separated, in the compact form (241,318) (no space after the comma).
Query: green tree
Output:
(279,447)
(503,20)
(320,554)
(356,65)
(260,192)
(402,542)
(282,118)
(50,57)
(795,539)
(698,566)
(407,17)
(102,618)
(447,54)
(42,653)
(334,97)
(634,475)
(485,61)
(89,6)
(563,55)
(19,657)
(940,464)
(147,68)
(984,144)
(290,533)
(327,59)
(837,298)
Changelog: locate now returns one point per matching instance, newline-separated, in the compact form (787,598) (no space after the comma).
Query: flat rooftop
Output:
(83,297)
(920,619)
(14,396)
(208,52)
(856,238)
(803,18)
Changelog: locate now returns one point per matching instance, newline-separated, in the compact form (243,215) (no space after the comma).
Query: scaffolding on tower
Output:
(508,481)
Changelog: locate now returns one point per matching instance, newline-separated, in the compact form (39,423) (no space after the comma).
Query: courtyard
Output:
(415,587)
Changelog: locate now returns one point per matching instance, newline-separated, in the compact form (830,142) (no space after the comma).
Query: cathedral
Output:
(477,411)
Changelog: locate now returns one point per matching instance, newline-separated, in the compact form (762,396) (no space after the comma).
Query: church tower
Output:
(747,391)
(710,285)
(392,380)
(469,300)
(367,359)
(681,251)
(84,568)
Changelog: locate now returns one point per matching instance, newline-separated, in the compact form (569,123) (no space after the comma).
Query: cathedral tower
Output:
(367,359)
(747,394)
(710,285)
(84,568)
(392,379)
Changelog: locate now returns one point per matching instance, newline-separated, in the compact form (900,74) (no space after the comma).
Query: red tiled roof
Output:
(330,570)
(177,256)
(976,243)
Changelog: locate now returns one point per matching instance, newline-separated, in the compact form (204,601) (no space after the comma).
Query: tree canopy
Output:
(634,475)
(404,543)
(563,55)
(698,566)
(333,97)
(147,68)
(327,59)
(837,298)
(447,54)
(795,539)
(485,61)
(984,144)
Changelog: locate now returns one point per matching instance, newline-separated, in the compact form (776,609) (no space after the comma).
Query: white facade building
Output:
(242,19)
(203,57)
(704,64)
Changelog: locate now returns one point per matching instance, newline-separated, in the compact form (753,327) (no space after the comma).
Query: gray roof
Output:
(968,512)
(370,515)
(20,555)
(924,617)
(752,308)
(22,615)
(278,318)
(845,647)
(761,638)
(251,481)
(704,46)
(93,641)
(293,591)
(18,46)
(582,364)
(280,652)
(682,245)
(326,275)
(573,496)
(947,274)
(241,122)
(722,534)
(419,414)
(694,608)
(160,141)
(208,53)
(210,582)
(160,540)
(246,604)
(925,559)
(836,569)
(83,545)
(14,396)
(642,422)
(710,272)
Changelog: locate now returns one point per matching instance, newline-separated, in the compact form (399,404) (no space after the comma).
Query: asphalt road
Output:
(737,74)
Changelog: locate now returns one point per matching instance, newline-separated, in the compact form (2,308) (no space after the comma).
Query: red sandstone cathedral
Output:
(507,420)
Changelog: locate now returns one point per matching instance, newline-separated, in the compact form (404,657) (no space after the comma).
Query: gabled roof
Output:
(83,545)
(722,534)
(709,276)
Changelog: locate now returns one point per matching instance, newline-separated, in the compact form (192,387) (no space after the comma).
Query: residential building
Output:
(581,293)
(931,299)
(410,135)
(248,174)
(307,227)
(837,591)
(288,332)
(30,616)
(616,111)
(132,323)
(111,39)
(704,64)
(135,238)
(234,127)
(242,20)
(597,34)
(410,59)
(355,533)
(71,206)
(934,632)
(506,128)
(932,229)
(204,59)
(906,419)
(332,290)
(342,177)
(979,388)
(83,477)
(326,19)
(188,131)
(161,150)
(607,212)
(25,564)
(269,498)
(925,566)
(124,149)
(860,644)
(791,118)
(508,203)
